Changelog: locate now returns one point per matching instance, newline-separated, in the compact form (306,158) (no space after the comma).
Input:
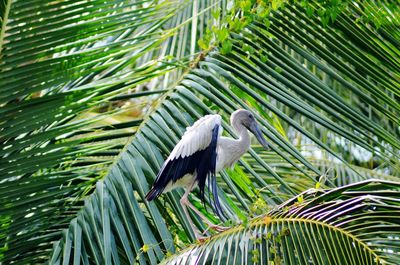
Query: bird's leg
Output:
(185,203)
(205,219)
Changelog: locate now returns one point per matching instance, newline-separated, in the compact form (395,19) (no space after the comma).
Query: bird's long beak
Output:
(255,129)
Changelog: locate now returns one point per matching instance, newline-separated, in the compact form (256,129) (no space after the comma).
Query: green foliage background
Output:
(95,94)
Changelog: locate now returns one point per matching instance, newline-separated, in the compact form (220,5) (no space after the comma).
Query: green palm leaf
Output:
(332,170)
(335,87)
(354,224)
(61,69)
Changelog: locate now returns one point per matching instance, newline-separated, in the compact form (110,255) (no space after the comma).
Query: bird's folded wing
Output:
(196,137)
(192,152)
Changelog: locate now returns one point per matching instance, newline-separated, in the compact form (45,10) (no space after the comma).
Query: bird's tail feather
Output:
(153,193)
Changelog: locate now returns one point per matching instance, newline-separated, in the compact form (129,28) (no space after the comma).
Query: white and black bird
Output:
(200,154)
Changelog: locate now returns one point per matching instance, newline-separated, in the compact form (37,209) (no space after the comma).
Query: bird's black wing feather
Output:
(202,162)
(206,169)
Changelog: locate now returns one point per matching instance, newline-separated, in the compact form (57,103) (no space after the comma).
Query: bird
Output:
(199,155)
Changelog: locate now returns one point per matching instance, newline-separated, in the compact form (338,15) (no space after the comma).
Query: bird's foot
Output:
(217,228)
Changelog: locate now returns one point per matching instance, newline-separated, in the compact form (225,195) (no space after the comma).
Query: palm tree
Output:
(94,95)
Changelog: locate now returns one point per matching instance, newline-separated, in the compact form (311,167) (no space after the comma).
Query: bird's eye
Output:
(250,116)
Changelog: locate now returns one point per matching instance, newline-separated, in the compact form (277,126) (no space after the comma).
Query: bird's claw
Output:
(217,228)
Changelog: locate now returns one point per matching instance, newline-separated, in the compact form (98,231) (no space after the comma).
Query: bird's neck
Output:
(243,142)
(232,149)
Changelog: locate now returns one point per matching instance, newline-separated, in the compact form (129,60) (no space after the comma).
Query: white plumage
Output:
(196,137)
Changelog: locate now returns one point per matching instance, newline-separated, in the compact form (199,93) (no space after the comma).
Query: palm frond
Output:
(305,83)
(332,170)
(353,224)
(63,65)
(297,83)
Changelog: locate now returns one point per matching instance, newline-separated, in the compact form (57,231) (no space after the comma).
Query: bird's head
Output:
(246,118)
